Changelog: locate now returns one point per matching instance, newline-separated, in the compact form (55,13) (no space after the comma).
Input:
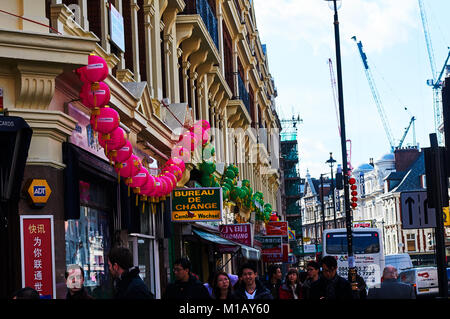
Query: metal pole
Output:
(331,161)
(439,236)
(348,210)
(322,203)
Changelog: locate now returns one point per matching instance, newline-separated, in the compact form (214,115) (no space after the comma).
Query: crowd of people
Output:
(320,281)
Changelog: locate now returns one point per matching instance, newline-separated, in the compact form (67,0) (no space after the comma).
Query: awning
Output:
(226,245)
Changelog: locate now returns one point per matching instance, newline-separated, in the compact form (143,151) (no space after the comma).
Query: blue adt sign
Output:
(39,191)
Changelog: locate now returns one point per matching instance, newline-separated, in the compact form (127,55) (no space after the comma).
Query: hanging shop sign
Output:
(39,192)
(277,229)
(282,257)
(240,233)
(38,254)
(196,204)
(362,224)
(116,28)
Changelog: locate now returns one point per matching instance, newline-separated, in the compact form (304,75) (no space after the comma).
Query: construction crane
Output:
(377,99)
(335,98)
(435,82)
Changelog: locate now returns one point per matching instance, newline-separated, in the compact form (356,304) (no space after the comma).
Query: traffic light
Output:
(354,193)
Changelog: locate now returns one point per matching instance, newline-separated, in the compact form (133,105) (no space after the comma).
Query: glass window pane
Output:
(87,243)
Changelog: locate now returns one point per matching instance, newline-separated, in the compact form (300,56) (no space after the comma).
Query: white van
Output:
(423,279)
(400,261)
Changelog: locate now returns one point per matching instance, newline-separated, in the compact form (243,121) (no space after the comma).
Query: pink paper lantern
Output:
(172,177)
(96,70)
(205,137)
(149,187)
(201,124)
(112,141)
(181,153)
(129,168)
(158,188)
(106,121)
(139,179)
(122,154)
(169,183)
(177,161)
(189,141)
(175,170)
(165,187)
(98,95)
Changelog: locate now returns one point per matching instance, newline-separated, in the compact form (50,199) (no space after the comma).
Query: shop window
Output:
(87,245)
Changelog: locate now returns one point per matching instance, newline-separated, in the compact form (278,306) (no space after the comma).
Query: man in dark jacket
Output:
(128,283)
(390,288)
(251,287)
(186,286)
(274,282)
(331,286)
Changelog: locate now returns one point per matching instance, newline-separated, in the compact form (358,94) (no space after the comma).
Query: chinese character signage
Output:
(240,233)
(38,256)
(196,204)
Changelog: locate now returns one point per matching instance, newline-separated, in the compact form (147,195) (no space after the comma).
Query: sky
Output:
(299,35)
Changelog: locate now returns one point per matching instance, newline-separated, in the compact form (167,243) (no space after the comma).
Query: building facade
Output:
(171,63)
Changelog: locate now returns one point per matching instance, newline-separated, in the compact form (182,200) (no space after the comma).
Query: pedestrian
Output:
(250,287)
(331,285)
(362,287)
(186,286)
(311,283)
(292,287)
(390,288)
(274,282)
(128,283)
(75,283)
(221,286)
(26,293)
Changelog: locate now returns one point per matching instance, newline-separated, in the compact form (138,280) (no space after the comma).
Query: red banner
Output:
(38,261)
(277,229)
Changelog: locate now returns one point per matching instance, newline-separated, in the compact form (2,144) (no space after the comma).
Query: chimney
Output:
(405,157)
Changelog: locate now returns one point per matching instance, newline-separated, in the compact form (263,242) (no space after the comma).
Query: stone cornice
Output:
(46,48)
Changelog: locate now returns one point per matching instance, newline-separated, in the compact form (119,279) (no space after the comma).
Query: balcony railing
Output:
(205,11)
(243,93)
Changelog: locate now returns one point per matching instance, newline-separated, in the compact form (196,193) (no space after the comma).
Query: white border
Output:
(22,217)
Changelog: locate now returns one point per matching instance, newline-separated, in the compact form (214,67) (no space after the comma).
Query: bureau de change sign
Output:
(196,204)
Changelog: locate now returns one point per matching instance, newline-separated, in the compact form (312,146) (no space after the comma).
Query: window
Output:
(411,242)
(145,251)
(363,243)
(87,243)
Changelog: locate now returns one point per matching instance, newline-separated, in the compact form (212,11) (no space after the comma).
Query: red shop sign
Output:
(277,228)
(240,233)
(38,254)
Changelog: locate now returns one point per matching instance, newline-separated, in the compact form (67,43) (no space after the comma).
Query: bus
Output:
(367,251)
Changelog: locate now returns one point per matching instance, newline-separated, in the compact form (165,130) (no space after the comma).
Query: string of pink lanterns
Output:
(95,95)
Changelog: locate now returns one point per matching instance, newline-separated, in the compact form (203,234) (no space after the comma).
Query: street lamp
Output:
(348,217)
(331,162)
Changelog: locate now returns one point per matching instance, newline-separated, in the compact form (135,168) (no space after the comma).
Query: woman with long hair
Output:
(222,288)
(292,287)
